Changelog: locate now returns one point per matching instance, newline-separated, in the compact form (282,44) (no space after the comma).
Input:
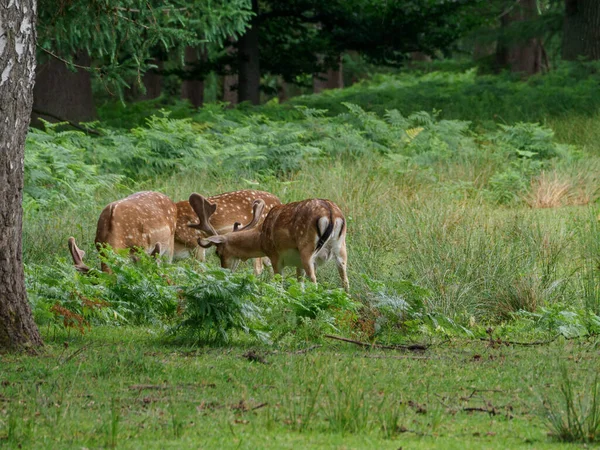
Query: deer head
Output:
(240,239)
(198,218)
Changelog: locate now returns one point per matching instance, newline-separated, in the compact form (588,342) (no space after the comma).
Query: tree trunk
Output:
(581,37)
(17,76)
(192,89)
(62,93)
(152,80)
(332,79)
(522,56)
(249,62)
(230,83)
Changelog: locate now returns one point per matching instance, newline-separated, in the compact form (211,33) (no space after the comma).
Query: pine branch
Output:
(68,63)
(61,119)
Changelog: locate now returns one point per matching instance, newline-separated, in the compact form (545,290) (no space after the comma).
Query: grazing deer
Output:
(216,215)
(146,220)
(296,234)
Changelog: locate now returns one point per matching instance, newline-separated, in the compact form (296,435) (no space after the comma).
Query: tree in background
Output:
(581,32)
(295,38)
(520,47)
(115,41)
(17,69)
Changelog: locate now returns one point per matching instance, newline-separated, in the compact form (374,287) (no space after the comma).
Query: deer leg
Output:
(171,249)
(309,265)
(277,268)
(341,259)
(199,253)
(156,251)
(299,273)
(258,266)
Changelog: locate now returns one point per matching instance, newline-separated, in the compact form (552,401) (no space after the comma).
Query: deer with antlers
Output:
(152,221)
(144,220)
(217,215)
(296,234)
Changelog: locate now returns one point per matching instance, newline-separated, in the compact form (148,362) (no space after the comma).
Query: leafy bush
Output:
(58,171)
(194,302)
(528,140)
(217,302)
(508,186)
(465,95)
(304,312)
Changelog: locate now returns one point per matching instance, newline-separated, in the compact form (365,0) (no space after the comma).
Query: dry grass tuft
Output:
(554,190)
(548,191)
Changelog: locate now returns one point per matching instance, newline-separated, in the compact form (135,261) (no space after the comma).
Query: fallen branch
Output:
(412,347)
(306,350)
(258,406)
(499,341)
(395,357)
(140,387)
(61,119)
(491,411)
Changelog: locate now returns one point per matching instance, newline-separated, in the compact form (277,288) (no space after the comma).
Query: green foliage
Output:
(58,169)
(195,303)
(561,320)
(570,88)
(217,302)
(383,32)
(528,140)
(508,186)
(122,36)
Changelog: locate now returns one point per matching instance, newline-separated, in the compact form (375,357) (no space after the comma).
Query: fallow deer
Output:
(144,220)
(216,215)
(296,234)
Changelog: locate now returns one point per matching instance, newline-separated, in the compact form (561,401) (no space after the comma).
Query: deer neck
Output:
(245,244)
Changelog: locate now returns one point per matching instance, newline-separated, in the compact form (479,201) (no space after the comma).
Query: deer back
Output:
(141,220)
(232,207)
(304,225)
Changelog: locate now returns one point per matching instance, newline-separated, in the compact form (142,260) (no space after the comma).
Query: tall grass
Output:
(489,222)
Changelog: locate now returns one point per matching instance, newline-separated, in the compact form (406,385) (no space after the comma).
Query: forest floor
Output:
(124,388)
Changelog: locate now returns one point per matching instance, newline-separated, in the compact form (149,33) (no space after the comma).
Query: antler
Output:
(257,208)
(77,254)
(203,209)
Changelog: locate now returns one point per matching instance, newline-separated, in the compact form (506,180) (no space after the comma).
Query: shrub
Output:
(217,302)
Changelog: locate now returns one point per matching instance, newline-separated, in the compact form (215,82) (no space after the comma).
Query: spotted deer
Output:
(296,234)
(144,220)
(216,215)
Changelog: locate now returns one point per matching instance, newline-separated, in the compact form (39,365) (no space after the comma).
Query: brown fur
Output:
(232,207)
(290,235)
(145,219)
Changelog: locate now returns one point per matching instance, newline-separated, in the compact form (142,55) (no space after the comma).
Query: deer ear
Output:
(203,209)
(210,241)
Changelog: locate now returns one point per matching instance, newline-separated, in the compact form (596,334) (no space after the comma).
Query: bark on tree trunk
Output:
(581,35)
(152,80)
(249,62)
(230,94)
(193,89)
(525,57)
(17,76)
(63,93)
(332,79)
